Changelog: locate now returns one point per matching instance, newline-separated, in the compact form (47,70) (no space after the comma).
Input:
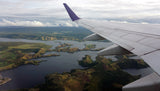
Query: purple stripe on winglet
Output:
(72,15)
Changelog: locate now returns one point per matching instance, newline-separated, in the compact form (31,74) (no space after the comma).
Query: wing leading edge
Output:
(140,39)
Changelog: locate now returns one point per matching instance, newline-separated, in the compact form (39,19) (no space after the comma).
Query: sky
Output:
(52,12)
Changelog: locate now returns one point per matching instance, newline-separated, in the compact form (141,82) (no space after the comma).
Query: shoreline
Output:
(5,80)
(31,62)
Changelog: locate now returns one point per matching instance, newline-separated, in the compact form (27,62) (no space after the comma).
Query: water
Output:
(27,76)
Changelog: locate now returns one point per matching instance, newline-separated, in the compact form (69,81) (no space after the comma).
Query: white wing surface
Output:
(140,39)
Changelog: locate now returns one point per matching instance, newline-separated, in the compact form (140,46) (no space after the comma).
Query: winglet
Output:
(72,15)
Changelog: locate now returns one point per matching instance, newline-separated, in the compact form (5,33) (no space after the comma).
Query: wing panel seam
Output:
(150,52)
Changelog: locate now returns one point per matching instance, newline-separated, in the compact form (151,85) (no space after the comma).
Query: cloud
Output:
(85,8)
(57,23)
(33,11)
(5,22)
(64,23)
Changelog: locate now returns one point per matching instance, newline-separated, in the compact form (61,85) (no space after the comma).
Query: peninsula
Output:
(14,54)
(4,80)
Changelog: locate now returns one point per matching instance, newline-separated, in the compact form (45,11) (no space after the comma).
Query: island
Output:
(86,61)
(66,47)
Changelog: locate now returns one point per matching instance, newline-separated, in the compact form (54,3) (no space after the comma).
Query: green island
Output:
(13,54)
(86,61)
(100,75)
(66,47)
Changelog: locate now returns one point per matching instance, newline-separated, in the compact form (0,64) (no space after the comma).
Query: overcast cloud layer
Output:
(52,12)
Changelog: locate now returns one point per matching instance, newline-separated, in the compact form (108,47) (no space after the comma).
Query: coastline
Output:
(5,80)
(32,62)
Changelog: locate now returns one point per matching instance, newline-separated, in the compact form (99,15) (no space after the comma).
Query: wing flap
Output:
(148,83)
(93,37)
(113,50)
(153,59)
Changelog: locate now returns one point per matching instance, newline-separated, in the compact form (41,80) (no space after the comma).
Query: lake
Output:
(27,76)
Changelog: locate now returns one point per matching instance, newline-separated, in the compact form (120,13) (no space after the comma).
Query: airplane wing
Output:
(140,39)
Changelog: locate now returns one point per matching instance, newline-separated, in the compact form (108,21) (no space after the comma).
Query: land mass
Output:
(100,75)
(45,33)
(14,54)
